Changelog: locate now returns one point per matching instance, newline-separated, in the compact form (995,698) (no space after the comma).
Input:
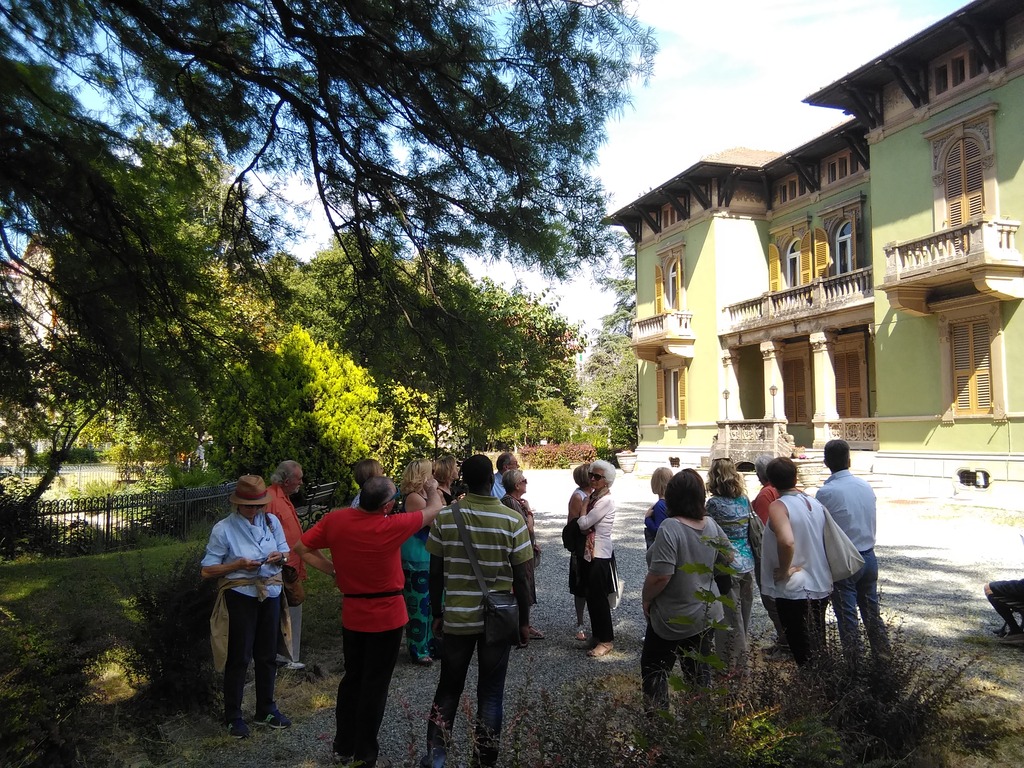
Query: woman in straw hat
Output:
(245,552)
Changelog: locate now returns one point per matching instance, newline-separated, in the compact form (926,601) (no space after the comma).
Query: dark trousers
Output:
(659,656)
(370,659)
(598,578)
(253,631)
(1005,595)
(492,662)
(804,622)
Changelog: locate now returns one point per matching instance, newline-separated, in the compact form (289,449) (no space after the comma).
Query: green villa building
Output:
(865,285)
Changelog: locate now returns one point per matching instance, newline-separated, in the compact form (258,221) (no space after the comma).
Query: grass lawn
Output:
(84,607)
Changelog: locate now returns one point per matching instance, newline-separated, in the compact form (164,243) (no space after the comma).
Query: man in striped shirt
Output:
(502,545)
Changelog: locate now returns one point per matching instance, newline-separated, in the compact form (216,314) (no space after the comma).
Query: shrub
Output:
(41,685)
(170,639)
(556,455)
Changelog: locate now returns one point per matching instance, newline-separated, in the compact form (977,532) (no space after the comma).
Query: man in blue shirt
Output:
(852,504)
(505,462)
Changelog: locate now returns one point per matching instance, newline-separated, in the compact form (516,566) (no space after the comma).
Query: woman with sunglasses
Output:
(597,566)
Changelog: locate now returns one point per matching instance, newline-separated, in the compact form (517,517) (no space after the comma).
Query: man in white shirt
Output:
(505,462)
(852,504)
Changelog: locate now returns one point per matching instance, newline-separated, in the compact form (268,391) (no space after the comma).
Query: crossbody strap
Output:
(470,552)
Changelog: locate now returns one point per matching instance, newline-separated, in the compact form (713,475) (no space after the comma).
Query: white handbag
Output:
(843,558)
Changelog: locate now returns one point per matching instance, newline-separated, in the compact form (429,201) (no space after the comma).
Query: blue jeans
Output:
(492,663)
(860,591)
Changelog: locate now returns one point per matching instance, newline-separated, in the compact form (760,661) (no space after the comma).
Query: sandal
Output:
(423,661)
(599,650)
(536,634)
(581,634)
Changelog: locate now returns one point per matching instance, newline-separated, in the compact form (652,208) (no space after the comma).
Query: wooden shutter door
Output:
(822,259)
(972,367)
(806,259)
(848,395)
(659,291)
(796,393)
(774,268)
(842,386)
(681,404)
(974,180)
(981,358)
(660,379)
(955,185)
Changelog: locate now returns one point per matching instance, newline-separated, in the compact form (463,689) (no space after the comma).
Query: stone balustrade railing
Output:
(823,293)
(672,324)
(993,239)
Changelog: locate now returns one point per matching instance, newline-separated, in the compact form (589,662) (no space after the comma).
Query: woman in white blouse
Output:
(597,566)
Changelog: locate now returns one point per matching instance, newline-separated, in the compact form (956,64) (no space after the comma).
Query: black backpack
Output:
(573,537)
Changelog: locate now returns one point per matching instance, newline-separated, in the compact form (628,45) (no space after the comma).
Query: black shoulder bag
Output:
(501,609)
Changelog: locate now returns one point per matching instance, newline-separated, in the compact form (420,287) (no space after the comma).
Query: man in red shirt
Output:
(365,543)
(285,481)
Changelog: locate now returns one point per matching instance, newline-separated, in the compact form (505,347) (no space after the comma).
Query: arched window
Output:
(672,285)
(791,266)
(965,182)
(845,261)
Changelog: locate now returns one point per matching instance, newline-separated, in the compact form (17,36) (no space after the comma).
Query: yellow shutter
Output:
(681,406)
(972,367)
(660,379)
(774,276)
(659,291)
(679,285)
(981,357)
(805,259)
(822,259)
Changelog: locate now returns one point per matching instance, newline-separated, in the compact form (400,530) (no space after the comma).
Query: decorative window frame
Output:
(979,125)
(666,257)
(956,311)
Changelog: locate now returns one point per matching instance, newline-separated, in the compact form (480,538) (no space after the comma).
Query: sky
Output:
(729,74)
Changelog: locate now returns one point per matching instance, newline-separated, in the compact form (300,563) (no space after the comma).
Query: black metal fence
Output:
(83,526)
(68,527)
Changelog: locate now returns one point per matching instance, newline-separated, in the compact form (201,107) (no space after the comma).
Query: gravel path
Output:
(934,556)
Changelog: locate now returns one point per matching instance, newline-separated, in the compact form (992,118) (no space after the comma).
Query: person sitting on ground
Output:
(515,486)
(657,512)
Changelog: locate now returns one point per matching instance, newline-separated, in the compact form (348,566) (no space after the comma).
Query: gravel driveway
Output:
(934,556)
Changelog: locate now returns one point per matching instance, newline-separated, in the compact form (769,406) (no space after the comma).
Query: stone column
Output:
(771,353)
(822,347)
(730,362)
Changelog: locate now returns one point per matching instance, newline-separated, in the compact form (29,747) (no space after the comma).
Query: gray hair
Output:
(284,472)
(511,478)
(761,465)
(606,468)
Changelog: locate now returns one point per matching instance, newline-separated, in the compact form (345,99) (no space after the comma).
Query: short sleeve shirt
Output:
(500,539)
(678,612)
(365,549)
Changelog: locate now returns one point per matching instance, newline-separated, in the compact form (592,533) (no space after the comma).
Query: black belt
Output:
(371,595)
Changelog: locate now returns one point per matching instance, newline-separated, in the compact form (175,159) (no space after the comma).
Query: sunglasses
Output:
(595,476)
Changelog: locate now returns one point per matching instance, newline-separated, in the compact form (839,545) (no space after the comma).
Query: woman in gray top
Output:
(678,617)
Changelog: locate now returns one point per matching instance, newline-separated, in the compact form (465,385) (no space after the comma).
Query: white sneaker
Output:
(295,665)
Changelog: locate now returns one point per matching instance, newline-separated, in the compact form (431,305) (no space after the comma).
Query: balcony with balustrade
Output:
(982,252)
(670,333)
(823,295)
